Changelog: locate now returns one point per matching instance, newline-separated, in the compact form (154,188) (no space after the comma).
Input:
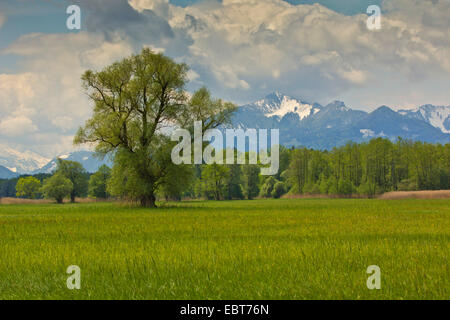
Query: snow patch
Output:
(289,105)
(436,117)
(22,162)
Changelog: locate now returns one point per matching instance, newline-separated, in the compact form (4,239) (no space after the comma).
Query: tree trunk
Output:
(72,197)
(148,201)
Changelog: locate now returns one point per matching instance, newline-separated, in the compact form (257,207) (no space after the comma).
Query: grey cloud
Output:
(117,18)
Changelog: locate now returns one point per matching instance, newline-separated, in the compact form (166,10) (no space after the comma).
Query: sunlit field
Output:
(262,249)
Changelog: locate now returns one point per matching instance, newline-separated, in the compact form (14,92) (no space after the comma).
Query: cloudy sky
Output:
(242,50)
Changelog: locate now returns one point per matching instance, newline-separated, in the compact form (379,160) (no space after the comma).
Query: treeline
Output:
(70,180)
(8,186)
(366,169)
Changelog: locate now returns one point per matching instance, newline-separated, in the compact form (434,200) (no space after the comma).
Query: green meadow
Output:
(261,249)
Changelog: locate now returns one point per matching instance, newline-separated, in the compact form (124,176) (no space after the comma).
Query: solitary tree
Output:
(28,187)
(75,172)
(57,187)
(133,100)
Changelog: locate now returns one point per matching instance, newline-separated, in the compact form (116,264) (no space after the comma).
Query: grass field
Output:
(263,249)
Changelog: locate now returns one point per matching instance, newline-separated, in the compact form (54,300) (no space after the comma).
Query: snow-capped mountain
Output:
(21,162)
(437,116)
(86,158)
(324,127)
(14,163)
(279,105)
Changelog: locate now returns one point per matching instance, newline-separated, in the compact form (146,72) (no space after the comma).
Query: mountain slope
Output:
(324,127)
(437,116)
(86,158)
(385,122)
(5,173)
(21,162)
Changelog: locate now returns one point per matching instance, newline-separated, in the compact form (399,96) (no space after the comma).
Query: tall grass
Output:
(263,249)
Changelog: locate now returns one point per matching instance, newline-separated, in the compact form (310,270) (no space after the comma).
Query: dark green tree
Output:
(75,172)
(133,100)
(98,183)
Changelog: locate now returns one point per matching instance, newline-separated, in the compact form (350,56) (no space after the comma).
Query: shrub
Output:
(267,187)
(279,189)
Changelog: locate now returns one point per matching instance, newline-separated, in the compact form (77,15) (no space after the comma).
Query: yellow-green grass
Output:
(263,249)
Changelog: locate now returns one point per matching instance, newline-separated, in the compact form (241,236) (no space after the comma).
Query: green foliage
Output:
(333,186)
(233,185)
(267,187)
(28,187)
(215,177)
(177,181)
(369,168)
(278,190)
(98,183)
(323,185)
(250,184)
(311,188)
(75,172)
(57,187)
(133,99)
(345,187)
(367,189)
(407,185)
(8,188)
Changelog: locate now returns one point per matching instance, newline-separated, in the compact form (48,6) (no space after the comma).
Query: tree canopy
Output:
(75,172)
(57,187)
(134,100)
(28,187)
(98,183)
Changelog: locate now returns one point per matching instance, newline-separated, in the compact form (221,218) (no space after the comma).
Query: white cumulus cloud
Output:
(48,96)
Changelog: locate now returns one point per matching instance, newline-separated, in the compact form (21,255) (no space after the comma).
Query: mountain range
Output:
(300,123)
(324,127)
(87,158)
